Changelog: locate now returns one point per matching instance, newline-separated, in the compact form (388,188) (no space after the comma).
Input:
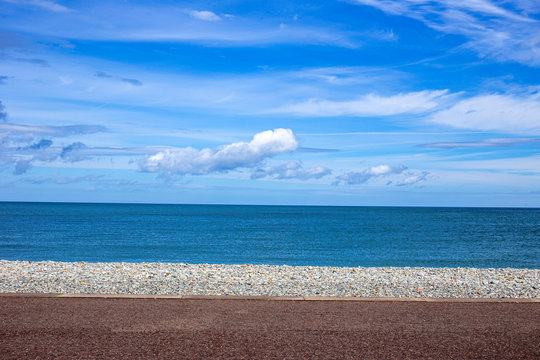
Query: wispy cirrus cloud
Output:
(222,158)
(104,75)
(41,4)
(369,105)
(63,180)
(162,23)
(291,170)
(34,61)
(515,113)
(493,29)
(488,143)
(49,130)
(95,180)
(133,82)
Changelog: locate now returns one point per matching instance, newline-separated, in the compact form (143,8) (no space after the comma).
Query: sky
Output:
(360,102)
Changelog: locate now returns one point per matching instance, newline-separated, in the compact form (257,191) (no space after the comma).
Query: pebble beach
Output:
(265,280)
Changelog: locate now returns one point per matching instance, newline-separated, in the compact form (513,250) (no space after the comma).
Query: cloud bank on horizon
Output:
(361,102)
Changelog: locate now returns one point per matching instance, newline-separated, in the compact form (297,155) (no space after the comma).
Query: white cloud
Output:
(412,178)
(223,158)
(159,22)
(399,175)
(25,144)
(492,30)
(290,170)
(370,105)
(43,4)
(488,143)
(204,15)
(525,164)
(23,157)
(49,130)
(360,177)
(3,114)
(517,114)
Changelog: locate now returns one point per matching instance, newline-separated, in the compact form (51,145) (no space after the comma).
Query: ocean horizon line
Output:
(269,205)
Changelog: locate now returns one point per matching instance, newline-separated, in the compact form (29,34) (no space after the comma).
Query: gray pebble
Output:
(268,280)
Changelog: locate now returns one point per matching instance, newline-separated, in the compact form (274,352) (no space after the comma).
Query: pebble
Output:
(265,280)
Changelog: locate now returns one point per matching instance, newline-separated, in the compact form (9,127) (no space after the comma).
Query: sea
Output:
(276,235)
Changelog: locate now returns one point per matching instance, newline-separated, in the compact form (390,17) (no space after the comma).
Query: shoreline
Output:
(117,278)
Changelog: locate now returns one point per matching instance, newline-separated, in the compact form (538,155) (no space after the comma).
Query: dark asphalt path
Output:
(48,327)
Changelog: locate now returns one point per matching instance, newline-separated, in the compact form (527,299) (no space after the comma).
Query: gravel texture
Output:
(39,327)
(266,280)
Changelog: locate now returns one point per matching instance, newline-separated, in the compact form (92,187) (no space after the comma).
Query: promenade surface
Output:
(86,327)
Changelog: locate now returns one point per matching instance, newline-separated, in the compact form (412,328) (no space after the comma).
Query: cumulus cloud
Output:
(204,15)
(399,175)
(360,177)
(23,157)
(290,170)
(22,145)
(223,158)
(370,105)
(509,113)
(72,152)
(44,151)
(500,30)
(42,144)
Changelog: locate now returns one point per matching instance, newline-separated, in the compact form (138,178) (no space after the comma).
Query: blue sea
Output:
(280,235)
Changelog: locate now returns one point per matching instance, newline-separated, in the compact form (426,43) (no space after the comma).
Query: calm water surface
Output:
(292,235)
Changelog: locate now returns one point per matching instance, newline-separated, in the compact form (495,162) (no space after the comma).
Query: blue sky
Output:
(366,102)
